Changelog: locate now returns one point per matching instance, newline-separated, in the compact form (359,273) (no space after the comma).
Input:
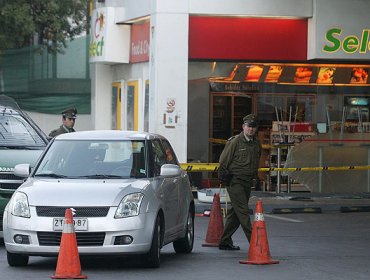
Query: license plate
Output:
(79,223)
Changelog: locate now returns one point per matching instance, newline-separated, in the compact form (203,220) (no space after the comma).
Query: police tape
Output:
(199,167)
(213,167)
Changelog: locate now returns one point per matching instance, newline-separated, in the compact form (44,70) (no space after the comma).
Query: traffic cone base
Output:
(261,263)
(216,224)
(69,277)
(259,252)
(68,264)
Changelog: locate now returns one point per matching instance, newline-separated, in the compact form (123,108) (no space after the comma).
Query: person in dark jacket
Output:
(69,117)
(239,171)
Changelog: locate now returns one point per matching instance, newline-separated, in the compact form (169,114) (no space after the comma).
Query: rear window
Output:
(16,131)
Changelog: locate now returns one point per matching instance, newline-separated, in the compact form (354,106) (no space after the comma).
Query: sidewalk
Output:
(301,202)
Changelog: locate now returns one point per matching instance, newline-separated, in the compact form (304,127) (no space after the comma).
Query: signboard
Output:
(140,46)
(343,36)
(247,38)
(109,41)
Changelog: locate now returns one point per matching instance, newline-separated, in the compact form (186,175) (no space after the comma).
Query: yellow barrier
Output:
(212,167)
(199,167)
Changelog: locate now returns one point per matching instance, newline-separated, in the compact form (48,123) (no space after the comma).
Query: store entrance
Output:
(226,115)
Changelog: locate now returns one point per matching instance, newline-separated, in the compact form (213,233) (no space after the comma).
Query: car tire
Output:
(17,260)
(152,258)
(185,244)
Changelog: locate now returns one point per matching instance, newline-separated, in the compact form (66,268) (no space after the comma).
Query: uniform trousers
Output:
(239,191)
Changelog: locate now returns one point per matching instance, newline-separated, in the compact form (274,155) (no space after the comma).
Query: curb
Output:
(310,210)
(348,209)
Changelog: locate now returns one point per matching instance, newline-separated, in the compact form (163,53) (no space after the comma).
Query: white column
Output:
(101,96)
(169,75)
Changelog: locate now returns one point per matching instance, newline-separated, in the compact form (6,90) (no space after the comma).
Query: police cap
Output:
(70,113)
(250,120)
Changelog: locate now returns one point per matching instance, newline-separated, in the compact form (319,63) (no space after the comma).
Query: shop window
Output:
(296,108)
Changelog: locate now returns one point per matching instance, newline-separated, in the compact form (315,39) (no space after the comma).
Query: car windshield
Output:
(94,159)
(15,132)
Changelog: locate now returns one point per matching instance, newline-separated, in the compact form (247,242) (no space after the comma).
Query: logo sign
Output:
(109,42)
(337,40)
(140,38)
(6,169)
(98,25)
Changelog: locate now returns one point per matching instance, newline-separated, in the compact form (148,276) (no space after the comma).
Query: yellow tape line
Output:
(199,167)
(211,167)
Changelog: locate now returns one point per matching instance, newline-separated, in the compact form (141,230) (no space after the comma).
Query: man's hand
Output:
(224,176)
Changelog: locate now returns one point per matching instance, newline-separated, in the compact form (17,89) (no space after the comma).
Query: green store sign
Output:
(350,44)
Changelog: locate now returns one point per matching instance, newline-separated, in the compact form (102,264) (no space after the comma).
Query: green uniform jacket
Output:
(240,157)
(62,129)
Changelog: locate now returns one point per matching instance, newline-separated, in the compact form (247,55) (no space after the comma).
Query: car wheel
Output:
(17,260)
(152,258)
(185,244)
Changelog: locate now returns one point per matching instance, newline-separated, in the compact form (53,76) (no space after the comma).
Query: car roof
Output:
(108,135)
(9,106)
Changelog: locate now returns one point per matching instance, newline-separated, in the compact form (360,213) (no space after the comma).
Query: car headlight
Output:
(20,206)
(129,206)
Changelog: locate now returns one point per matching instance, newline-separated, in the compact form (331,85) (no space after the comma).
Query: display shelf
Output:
(351,127)
(281,143)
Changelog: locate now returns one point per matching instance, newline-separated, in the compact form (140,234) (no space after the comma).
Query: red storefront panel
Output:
(140,40)
(247,39)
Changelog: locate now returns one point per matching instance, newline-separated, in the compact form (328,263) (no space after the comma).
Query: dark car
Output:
(21,140)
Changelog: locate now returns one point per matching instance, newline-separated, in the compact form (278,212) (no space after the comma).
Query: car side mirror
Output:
(169,170)
(22,170)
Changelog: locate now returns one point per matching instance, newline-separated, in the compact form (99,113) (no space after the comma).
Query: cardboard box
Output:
(296,127)
(301,127)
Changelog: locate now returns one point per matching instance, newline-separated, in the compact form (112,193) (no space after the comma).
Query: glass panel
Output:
(159,157)
(93,159)
(221,117)
(242,107)
(170,155)
(130,107)
(272,107)
(146,107)
(115,91)
(15,131)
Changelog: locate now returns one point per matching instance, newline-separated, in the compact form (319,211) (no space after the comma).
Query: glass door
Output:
(116,106)
(242,106)
(132,105)
(227,112)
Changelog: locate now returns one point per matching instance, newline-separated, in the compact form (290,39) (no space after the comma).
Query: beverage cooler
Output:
(357,108)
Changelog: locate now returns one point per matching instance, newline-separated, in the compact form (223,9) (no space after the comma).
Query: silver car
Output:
(128,191)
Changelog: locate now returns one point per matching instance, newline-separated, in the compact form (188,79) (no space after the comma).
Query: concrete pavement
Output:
(302,202)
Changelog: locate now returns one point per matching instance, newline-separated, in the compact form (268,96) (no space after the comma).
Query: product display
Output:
(326,75)
(254,73)
(273,74)
(303,75)
(359,75)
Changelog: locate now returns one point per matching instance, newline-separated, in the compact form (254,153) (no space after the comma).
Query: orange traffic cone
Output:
(68,265)
(259,252)
(216,224)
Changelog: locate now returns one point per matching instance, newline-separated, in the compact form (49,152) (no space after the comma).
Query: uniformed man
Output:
(69,117)
(238,170)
